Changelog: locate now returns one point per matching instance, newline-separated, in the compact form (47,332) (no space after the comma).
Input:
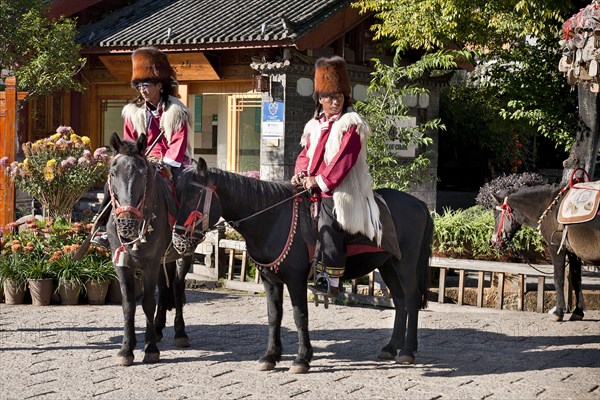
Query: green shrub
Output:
(467,233)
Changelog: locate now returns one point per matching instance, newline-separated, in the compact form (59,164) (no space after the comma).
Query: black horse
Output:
(139,232)
(537,207)
(276,224)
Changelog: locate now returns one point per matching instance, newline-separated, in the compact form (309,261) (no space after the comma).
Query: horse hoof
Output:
(386,355)
(299,369)
(576,317)
(182,342)
(405,359)
(124,361)
(151,358)
(265,366)
(556,317)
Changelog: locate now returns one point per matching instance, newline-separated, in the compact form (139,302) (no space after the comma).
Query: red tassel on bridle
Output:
(190,222)
(506,213)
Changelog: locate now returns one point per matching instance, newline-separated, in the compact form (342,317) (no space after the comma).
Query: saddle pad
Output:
(580,203)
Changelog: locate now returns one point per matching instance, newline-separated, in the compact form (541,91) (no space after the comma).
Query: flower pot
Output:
(13,292)
(69,292)
(96,291)
(41,291)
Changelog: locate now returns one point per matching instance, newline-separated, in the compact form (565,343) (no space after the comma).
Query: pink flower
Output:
(3,162)
(63,130)
(101,154)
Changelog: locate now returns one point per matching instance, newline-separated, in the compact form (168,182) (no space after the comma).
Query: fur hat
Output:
(331,76)
(151,64)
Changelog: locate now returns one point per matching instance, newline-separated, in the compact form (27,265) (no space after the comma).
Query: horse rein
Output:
(196,216)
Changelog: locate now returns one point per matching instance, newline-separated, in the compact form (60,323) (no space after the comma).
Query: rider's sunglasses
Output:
(145,85)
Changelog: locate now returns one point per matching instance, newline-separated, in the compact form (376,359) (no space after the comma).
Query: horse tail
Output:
(166,278)
(423,266)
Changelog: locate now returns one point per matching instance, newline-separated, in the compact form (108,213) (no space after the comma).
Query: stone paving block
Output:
(69,352)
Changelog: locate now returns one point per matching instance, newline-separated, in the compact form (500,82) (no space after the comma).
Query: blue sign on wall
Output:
(272,120)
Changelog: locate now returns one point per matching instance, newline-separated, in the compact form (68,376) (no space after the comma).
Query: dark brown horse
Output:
(139,231)
(537,207)
(275,222)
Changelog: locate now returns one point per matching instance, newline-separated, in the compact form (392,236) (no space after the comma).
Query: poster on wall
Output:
(272,120)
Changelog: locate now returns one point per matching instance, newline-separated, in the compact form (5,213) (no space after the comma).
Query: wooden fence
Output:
(234,252)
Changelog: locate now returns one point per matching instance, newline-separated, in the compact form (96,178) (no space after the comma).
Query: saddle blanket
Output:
(580,203)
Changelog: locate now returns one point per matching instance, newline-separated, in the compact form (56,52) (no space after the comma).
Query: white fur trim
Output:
(355,206)
(173,117)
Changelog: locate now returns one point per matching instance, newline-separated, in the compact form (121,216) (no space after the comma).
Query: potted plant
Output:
(58,170)
(40,278)
(99,272)
(69,275)
(13,278)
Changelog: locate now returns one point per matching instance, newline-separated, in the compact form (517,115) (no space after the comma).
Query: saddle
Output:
(358,243)
(580,204)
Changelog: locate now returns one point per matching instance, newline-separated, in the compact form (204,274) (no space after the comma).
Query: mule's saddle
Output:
(580,204)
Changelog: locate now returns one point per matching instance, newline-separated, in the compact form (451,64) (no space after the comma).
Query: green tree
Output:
(514,44)
(42,54)
(385,108)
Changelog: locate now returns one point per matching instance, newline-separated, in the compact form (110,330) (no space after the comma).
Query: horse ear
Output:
(201,168)
(142,142)
(115,142)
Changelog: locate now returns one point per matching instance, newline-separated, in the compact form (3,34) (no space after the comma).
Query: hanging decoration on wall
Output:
(580,42)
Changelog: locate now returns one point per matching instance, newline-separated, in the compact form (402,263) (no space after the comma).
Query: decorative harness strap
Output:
(288,244)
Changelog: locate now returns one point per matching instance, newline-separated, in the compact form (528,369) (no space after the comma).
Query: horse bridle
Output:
(506,217)
(196,217)
(132,227)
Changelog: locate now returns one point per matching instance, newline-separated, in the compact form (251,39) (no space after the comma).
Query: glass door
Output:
(243,144)
(111,120)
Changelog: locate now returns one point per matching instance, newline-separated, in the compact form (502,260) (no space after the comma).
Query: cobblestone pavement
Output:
(69,352)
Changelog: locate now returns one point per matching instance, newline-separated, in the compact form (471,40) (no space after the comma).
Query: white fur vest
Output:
(174,115)
(353,199)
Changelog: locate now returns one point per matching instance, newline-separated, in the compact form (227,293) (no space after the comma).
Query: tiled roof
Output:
(229,23)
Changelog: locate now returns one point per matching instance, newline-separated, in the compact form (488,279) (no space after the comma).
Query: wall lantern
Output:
(359,93)
(420,100)
(261,83)
(305,87)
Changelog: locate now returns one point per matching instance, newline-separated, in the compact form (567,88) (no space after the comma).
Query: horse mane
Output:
(250,192)
(547,188)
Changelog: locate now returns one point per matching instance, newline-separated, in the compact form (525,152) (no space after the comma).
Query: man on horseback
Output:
(333,163)
(157,113)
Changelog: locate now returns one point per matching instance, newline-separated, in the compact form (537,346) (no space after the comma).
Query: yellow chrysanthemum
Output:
(86,140)
(75,138)
(51,163)
(55,137)
(48,174)
(26,164)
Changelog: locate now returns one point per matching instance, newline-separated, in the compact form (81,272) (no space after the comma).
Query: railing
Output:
(235,251)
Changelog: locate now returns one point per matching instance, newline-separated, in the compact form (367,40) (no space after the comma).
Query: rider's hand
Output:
(298,179)
(310,182)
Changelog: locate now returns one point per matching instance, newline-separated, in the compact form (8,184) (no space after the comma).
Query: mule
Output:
(537,207)
(139,232)
(275,221)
